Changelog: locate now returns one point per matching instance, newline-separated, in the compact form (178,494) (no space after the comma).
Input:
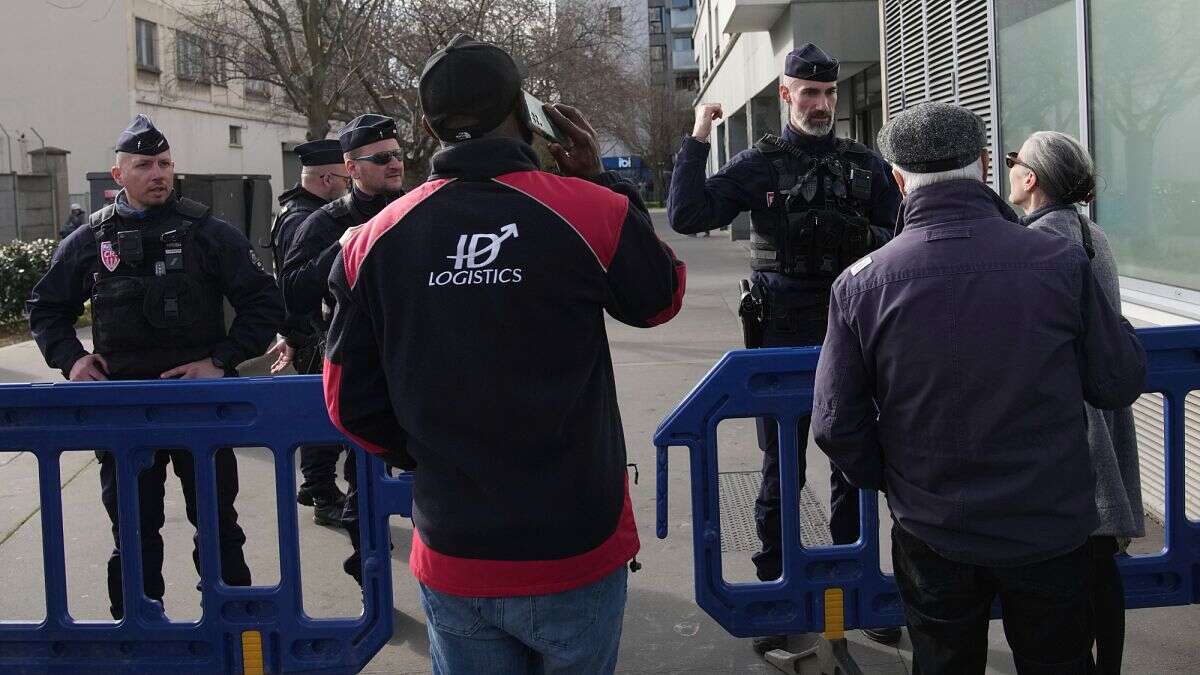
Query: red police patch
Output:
(108,256)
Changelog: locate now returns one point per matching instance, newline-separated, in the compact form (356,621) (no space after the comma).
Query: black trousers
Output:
(151,491)
(801,331)
(1107,599)
(318,463)
(948,606)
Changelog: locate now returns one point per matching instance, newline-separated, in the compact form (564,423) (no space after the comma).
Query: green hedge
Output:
(22,264)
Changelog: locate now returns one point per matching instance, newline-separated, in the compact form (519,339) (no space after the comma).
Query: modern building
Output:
(1124,77)
(88,68)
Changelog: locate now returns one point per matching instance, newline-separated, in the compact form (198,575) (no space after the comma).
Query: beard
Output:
(818,127)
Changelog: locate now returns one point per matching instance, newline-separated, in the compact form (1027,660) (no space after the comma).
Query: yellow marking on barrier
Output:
(835,614)
(252,653)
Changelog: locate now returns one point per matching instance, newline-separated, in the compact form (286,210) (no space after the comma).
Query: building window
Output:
(257,72)
(614,19)
(189,57)
(656,20)
(235,136)
(683,44)
(147,44)
(218,63)
(1038,66)
(658,57)
(687,83)
(1145,138)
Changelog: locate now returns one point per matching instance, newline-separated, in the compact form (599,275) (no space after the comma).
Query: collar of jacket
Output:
(484,158)
(950,202)
(371,204)
(813,144)
(129,213)
(1032,217)
(298,190)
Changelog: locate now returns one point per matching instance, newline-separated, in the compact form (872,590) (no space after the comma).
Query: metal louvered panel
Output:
(1148,419)
(939,22)
(893,55)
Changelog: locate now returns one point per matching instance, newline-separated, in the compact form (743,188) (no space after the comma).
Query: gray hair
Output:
(1063,167)
(915,181)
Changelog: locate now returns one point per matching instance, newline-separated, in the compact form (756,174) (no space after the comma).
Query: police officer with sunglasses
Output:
(375,163)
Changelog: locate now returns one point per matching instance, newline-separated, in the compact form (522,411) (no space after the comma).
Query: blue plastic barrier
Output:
(253,630)
(778,384)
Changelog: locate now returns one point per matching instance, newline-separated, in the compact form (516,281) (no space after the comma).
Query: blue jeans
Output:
(575,631)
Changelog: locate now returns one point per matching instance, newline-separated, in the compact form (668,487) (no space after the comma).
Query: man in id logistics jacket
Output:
(374,161)
(468,341)
(953,377)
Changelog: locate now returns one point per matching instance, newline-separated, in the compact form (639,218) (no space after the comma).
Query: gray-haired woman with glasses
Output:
(1050,175)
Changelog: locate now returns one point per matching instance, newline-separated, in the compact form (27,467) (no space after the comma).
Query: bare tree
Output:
(312,51)
(658,118)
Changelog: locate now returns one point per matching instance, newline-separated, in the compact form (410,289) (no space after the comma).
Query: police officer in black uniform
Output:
(373,159)
(323,178)
(817,204)
(157,268)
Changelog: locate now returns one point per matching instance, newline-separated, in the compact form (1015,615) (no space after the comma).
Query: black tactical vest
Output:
(153,308)
(345,212)
(290,209)
(815,224)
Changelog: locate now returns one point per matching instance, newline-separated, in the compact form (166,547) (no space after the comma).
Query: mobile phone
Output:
(540,123)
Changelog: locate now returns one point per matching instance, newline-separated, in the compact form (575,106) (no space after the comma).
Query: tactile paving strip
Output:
(739,489)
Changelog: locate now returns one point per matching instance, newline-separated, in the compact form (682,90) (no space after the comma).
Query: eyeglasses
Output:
(1011,160)
(337,175)
(383,157)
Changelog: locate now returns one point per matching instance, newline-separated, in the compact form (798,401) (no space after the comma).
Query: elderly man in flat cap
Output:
(817,203)
(373,159)
(157,268)
(953,378)
(323,178)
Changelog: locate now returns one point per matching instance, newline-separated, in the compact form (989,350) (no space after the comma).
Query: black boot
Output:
(884,636)
(766,643)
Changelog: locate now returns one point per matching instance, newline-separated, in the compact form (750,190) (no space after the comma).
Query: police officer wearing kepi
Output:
(157,269)
(323,178)
(373,159)
(817,203)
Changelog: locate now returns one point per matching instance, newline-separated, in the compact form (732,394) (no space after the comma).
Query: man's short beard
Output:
(821,129)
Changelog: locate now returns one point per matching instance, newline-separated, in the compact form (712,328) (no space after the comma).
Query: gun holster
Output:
(752,311)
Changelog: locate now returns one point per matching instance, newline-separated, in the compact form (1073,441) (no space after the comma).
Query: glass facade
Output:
(1145,90)
(1143,65)
(1039,71)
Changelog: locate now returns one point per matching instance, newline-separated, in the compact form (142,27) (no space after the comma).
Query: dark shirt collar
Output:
(128,212)
(952,202)
(299,191)
(815,144)
(1032,217)
(484,158)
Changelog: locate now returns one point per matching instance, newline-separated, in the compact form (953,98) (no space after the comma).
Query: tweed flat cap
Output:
(933,137)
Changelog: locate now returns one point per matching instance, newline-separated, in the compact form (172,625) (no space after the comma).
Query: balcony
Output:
(684,60)
(753,16)
(683,19)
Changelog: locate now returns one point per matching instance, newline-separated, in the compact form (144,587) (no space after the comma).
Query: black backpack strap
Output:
(102,216)
(191,209)
(770,144)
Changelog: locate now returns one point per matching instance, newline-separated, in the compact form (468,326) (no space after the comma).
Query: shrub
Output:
(22,264)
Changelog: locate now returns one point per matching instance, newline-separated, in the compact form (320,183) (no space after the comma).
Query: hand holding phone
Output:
(540,123)
(582,157)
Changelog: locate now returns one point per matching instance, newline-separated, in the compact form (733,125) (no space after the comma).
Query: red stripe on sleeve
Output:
(595,212)
(472,577)
(361,242)
(332,382)
(676,299)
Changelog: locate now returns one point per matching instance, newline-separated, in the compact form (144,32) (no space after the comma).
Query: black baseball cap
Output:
(471,79)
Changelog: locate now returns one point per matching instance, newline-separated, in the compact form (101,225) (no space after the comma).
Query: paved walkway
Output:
(664,630)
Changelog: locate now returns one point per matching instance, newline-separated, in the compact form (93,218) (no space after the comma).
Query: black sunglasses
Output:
(383,157)
(1011,160)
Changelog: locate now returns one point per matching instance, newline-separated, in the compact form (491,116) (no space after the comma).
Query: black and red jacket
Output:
(469,343)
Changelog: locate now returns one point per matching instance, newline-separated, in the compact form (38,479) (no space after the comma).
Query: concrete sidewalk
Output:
(664,631)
